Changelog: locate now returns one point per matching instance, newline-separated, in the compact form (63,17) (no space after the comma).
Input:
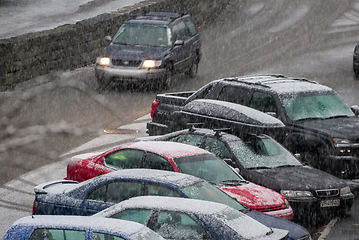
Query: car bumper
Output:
(286,214)
(323,206)
(130,74)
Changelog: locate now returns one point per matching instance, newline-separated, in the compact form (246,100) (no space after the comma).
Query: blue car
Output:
(77,227)
(178,218)
(66,197)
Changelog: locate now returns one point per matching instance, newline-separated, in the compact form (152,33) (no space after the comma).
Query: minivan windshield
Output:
(143,35)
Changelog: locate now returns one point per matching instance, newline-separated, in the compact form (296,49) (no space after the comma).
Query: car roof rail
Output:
(219,131)
(261,80)
(162,16)
(192,126)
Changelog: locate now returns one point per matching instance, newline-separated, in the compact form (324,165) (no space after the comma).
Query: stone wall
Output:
(76,45)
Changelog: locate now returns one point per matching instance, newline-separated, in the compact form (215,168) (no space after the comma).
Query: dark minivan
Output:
(148,49)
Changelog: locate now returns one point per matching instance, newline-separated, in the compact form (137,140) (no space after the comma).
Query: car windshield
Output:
(256,153)
(207,167)
(207,192)
(319,106)
(144,35)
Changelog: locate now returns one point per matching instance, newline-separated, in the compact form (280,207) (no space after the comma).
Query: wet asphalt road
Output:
(299,38)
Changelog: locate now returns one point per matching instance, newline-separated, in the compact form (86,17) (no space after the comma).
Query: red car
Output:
(180,158)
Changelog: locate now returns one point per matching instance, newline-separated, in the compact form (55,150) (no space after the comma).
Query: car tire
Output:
(168,79)
(192,72)
(356,71)
(102,84)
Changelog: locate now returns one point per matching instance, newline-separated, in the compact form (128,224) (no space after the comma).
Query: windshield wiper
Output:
(234,181)
(288,165)
(262,167)
(311,118)
(338,116)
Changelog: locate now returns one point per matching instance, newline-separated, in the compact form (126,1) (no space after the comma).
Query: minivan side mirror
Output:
(355,109)
(230,162)
(107,39)
(178,42)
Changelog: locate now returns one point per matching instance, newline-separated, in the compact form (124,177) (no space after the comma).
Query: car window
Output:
(115,192)
(233,94)
(180,31)
(124,159)
(175,225)
(191,27)
(190,139)
(105,236)
(58,234)
(120,191)
(217,148)
(160,190)
(155,161)
(136,215)
(263,102)
(207,167)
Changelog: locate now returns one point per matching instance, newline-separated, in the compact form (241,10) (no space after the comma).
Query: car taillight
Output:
(35,205)
(154,106)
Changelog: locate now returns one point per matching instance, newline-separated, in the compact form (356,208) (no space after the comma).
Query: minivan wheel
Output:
(192,72)
(168,79)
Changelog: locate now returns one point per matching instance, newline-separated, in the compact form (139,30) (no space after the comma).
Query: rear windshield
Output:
(143,35)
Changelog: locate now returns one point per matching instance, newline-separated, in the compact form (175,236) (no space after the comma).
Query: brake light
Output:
(35,205)
(154,106)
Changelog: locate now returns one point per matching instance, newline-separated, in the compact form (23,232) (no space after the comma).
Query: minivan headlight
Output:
(292,193)
(151,63)
(345,190)
(105,61)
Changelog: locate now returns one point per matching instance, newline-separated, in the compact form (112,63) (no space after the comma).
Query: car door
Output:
(181,47)
(110,193)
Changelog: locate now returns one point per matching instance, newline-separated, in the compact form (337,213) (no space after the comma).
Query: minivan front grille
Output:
(126,63)
(327,193)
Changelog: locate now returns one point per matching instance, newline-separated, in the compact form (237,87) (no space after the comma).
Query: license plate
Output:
(330,203)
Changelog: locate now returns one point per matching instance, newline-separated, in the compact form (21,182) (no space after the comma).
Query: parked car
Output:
(149,48)
(318,124)
(262,160)
(94,195)
(181,158)
(77,227)
(178,218)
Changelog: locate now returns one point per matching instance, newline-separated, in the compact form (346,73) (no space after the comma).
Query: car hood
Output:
(254,196)
(295,230)
(302,178)
(345,127)
(127,52)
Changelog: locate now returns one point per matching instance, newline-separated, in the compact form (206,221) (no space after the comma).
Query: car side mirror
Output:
(355,109)
(179,42)
(230,162)
(272,114)
(107,39)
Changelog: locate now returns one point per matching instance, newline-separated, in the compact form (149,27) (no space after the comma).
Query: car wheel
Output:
(356,71)
(168,79)
(103,85)
(192,72)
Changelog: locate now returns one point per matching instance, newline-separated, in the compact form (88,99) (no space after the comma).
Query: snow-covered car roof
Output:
(167,149)
(107,225)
